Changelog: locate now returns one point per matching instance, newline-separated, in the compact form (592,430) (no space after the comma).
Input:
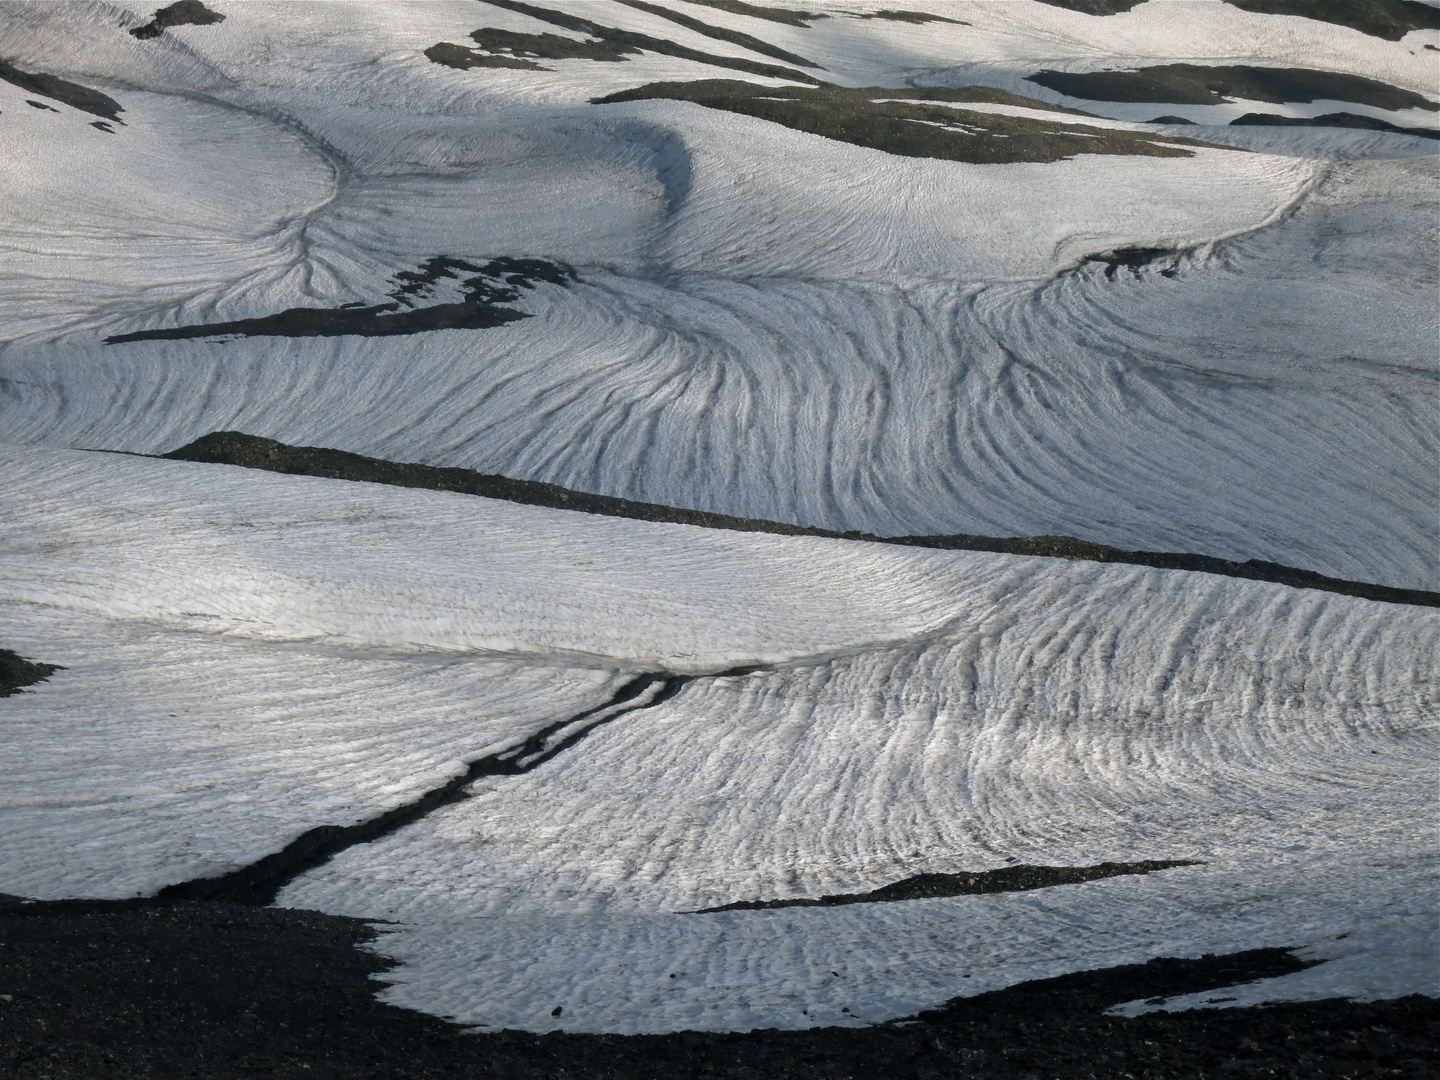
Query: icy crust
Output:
(156,756)
(1284,739)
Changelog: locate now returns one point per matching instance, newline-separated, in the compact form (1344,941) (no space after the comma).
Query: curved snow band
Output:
(254,452)
(260,882)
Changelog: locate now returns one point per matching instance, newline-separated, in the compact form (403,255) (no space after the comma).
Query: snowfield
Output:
(1227,350)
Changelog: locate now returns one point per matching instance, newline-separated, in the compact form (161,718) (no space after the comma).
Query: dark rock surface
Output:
(1338,119)
(786,16)
(1388,19)
(17,672)
(606,43)
(219,991)
(916,17)
(720,33)
(63,91)
(929,886)
(1201,84)
(1095,7)
(928,122)
(486,291)
(180,13)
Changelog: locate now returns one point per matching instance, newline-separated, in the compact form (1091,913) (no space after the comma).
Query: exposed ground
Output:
(63,90)
(606,43)
(916,17)
(16,672)
(1388,19)
(786,16)
(1095,7)
(1335,119)
(924,886)
(180,13)
(1203,84)
(915,123)
(223,991)
(492,285)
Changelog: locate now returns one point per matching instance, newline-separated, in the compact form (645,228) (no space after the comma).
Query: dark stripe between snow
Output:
(929,886)
(261,881)
(253,452)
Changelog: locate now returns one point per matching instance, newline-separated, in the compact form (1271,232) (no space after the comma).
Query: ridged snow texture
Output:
(790,344)
(769,324)
(925,711)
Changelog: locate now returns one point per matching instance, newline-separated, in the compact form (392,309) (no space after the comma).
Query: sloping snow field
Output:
(1226,348)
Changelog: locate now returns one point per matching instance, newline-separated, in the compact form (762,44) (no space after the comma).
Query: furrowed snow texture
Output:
(803,278)
(249,451)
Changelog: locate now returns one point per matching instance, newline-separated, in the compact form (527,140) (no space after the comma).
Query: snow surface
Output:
(1100,713)
(158,756)
(770,324)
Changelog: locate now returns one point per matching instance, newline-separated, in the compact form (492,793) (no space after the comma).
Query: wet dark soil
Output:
(254,452)
(606,43)
(17,672)
(486,291)
(916,17)
(63,91)
(787,16)
(181,13)
(1095,7)
(1338,119)
(721,33)
(917,122)
(1388,19)
(221,991)
(929,886)
(1196,84)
